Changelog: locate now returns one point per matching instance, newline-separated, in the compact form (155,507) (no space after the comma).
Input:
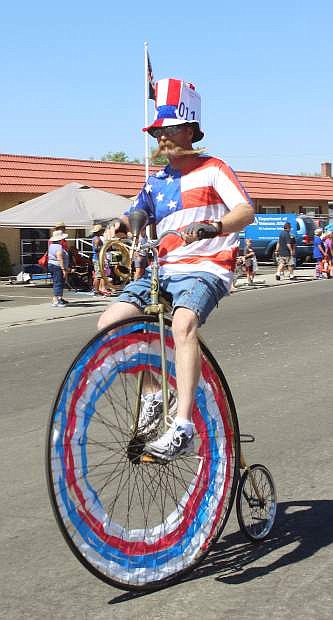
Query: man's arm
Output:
(234,221)
(238,218)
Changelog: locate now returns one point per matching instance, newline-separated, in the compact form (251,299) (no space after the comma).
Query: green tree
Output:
(119,156)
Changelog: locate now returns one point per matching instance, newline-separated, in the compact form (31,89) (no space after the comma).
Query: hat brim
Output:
(64,236)
(94,230)
(167,122)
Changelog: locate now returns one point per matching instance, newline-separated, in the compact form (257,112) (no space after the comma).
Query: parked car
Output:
(265,247)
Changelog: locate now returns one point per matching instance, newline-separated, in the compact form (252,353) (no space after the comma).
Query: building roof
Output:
(286,186)
(38,175)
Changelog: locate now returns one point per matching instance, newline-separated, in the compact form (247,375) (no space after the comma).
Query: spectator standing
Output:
(58,263)
(318,252)
(249,261)
(286,251)
(97,244)
(328,245)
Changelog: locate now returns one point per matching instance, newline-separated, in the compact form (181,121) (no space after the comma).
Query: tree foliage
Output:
(122,157)
(119,156)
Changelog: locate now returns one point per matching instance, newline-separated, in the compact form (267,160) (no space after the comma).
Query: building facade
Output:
(25,177)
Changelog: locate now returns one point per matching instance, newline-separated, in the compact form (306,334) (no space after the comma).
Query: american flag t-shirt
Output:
(202,192)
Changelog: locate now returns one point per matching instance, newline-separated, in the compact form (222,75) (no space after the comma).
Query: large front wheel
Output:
(135,524)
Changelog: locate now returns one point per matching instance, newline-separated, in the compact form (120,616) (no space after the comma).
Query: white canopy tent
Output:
(77,205)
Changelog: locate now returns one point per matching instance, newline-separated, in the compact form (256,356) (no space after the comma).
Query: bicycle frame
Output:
(157,307)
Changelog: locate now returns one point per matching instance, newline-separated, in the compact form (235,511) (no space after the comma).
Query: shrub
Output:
(5,266)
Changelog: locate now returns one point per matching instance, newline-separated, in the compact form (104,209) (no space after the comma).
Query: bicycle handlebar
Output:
(154,243)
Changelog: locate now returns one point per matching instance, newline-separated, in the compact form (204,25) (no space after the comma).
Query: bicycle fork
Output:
(158,309)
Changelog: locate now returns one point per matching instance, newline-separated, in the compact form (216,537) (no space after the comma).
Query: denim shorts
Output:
(199,292)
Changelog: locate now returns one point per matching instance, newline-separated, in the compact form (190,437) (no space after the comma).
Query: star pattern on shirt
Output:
(159,197)
(170,179)
(148,188)
(172,204)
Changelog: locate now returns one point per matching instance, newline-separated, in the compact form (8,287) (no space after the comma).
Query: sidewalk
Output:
(267,280)
(37,313)
(34,314)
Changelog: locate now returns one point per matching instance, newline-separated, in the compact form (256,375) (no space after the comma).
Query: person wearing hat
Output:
(201,197)
(58,263)
(97,244)
(61,226)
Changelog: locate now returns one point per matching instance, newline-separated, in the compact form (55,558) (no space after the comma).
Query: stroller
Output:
(79,278)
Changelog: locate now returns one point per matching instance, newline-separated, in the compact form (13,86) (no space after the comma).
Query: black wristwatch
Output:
(219,226)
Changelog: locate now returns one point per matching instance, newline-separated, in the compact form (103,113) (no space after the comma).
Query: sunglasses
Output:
(157,132)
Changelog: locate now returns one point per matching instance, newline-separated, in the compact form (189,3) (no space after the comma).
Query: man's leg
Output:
(117,312)
(179,439)
(184,327)
(291,266)
(281,267)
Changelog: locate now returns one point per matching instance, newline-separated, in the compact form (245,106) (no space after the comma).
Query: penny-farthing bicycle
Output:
(133,521)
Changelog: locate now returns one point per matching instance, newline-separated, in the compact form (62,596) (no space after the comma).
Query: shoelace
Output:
(149,411)
(176,439)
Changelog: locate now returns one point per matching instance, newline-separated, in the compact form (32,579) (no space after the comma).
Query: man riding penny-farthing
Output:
(143,444)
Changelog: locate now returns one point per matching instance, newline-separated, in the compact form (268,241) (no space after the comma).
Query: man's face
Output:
(174,141)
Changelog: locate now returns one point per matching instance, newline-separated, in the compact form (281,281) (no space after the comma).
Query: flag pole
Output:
(146,113)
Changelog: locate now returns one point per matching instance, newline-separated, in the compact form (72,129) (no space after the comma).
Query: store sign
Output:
(268,226)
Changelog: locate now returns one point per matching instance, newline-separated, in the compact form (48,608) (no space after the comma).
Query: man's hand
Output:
(198,231)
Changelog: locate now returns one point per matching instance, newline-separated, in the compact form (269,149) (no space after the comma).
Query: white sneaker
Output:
(175,442)
(151,414)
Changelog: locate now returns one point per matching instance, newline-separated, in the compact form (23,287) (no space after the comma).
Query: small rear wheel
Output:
(256,502)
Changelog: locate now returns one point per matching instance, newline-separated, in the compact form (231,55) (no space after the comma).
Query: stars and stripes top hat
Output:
(176,102)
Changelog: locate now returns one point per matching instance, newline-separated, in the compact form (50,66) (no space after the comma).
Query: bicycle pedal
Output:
(149,458)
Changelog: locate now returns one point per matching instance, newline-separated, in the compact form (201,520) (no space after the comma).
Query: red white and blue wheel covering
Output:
(137,556)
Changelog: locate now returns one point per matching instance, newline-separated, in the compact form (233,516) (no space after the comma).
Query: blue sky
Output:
(72,77)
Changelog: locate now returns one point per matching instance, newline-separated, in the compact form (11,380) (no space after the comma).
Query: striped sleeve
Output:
(229,187)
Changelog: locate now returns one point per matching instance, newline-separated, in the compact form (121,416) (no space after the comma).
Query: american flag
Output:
(151,81)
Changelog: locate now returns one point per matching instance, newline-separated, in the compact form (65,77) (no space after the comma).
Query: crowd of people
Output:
(74,270)
(285,257)
(70,268)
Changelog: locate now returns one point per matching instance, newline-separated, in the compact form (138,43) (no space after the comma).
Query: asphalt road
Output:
(275,346)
